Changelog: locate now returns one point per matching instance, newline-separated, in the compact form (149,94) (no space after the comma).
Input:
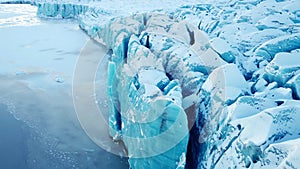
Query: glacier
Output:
(202,85)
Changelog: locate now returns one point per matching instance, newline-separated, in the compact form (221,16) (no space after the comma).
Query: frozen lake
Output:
(38,125)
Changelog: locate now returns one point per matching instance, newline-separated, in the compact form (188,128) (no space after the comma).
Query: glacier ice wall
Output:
(162,75)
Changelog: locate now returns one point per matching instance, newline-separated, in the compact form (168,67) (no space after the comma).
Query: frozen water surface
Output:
(14,15)
(38,124)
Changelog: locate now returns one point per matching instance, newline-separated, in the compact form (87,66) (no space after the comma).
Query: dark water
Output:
(48,134)
(13,137)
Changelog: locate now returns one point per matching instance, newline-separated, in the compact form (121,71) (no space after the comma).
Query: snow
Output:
(294,84)
(223,48)
(276,93)
(11,17)
(247,106)
(280,44)
(282,155)
(260,85)
(273,21)
(282,68)
(276,125)
(226,84)
(190,84)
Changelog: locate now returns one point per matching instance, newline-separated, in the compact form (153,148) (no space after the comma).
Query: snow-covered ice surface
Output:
(195,84)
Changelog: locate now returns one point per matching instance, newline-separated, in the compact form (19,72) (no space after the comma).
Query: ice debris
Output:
(167,77)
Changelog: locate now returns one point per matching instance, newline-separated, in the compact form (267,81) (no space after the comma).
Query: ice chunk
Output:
(282,68)
(117,33)
(288,102)
(211,60)
(151,76)
(276,125)
(275,93)
(158,22)
(236,31)
(281,44)
(222,87)
(274,21)
(247,106)
(151,118)
(59,79)
(226,83)
(260,85)
(186,55)
(190,35)
(223,48)
(139,56)
(293,8)
(281,155)
(245,147)
(93,20)
(252,39)
(294,84)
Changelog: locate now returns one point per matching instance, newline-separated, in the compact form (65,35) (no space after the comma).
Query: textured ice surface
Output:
(294,84)
(61,10)
(225,84)
(164,67)
(247,106)
(154,126)
(223,48)
(283,67)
